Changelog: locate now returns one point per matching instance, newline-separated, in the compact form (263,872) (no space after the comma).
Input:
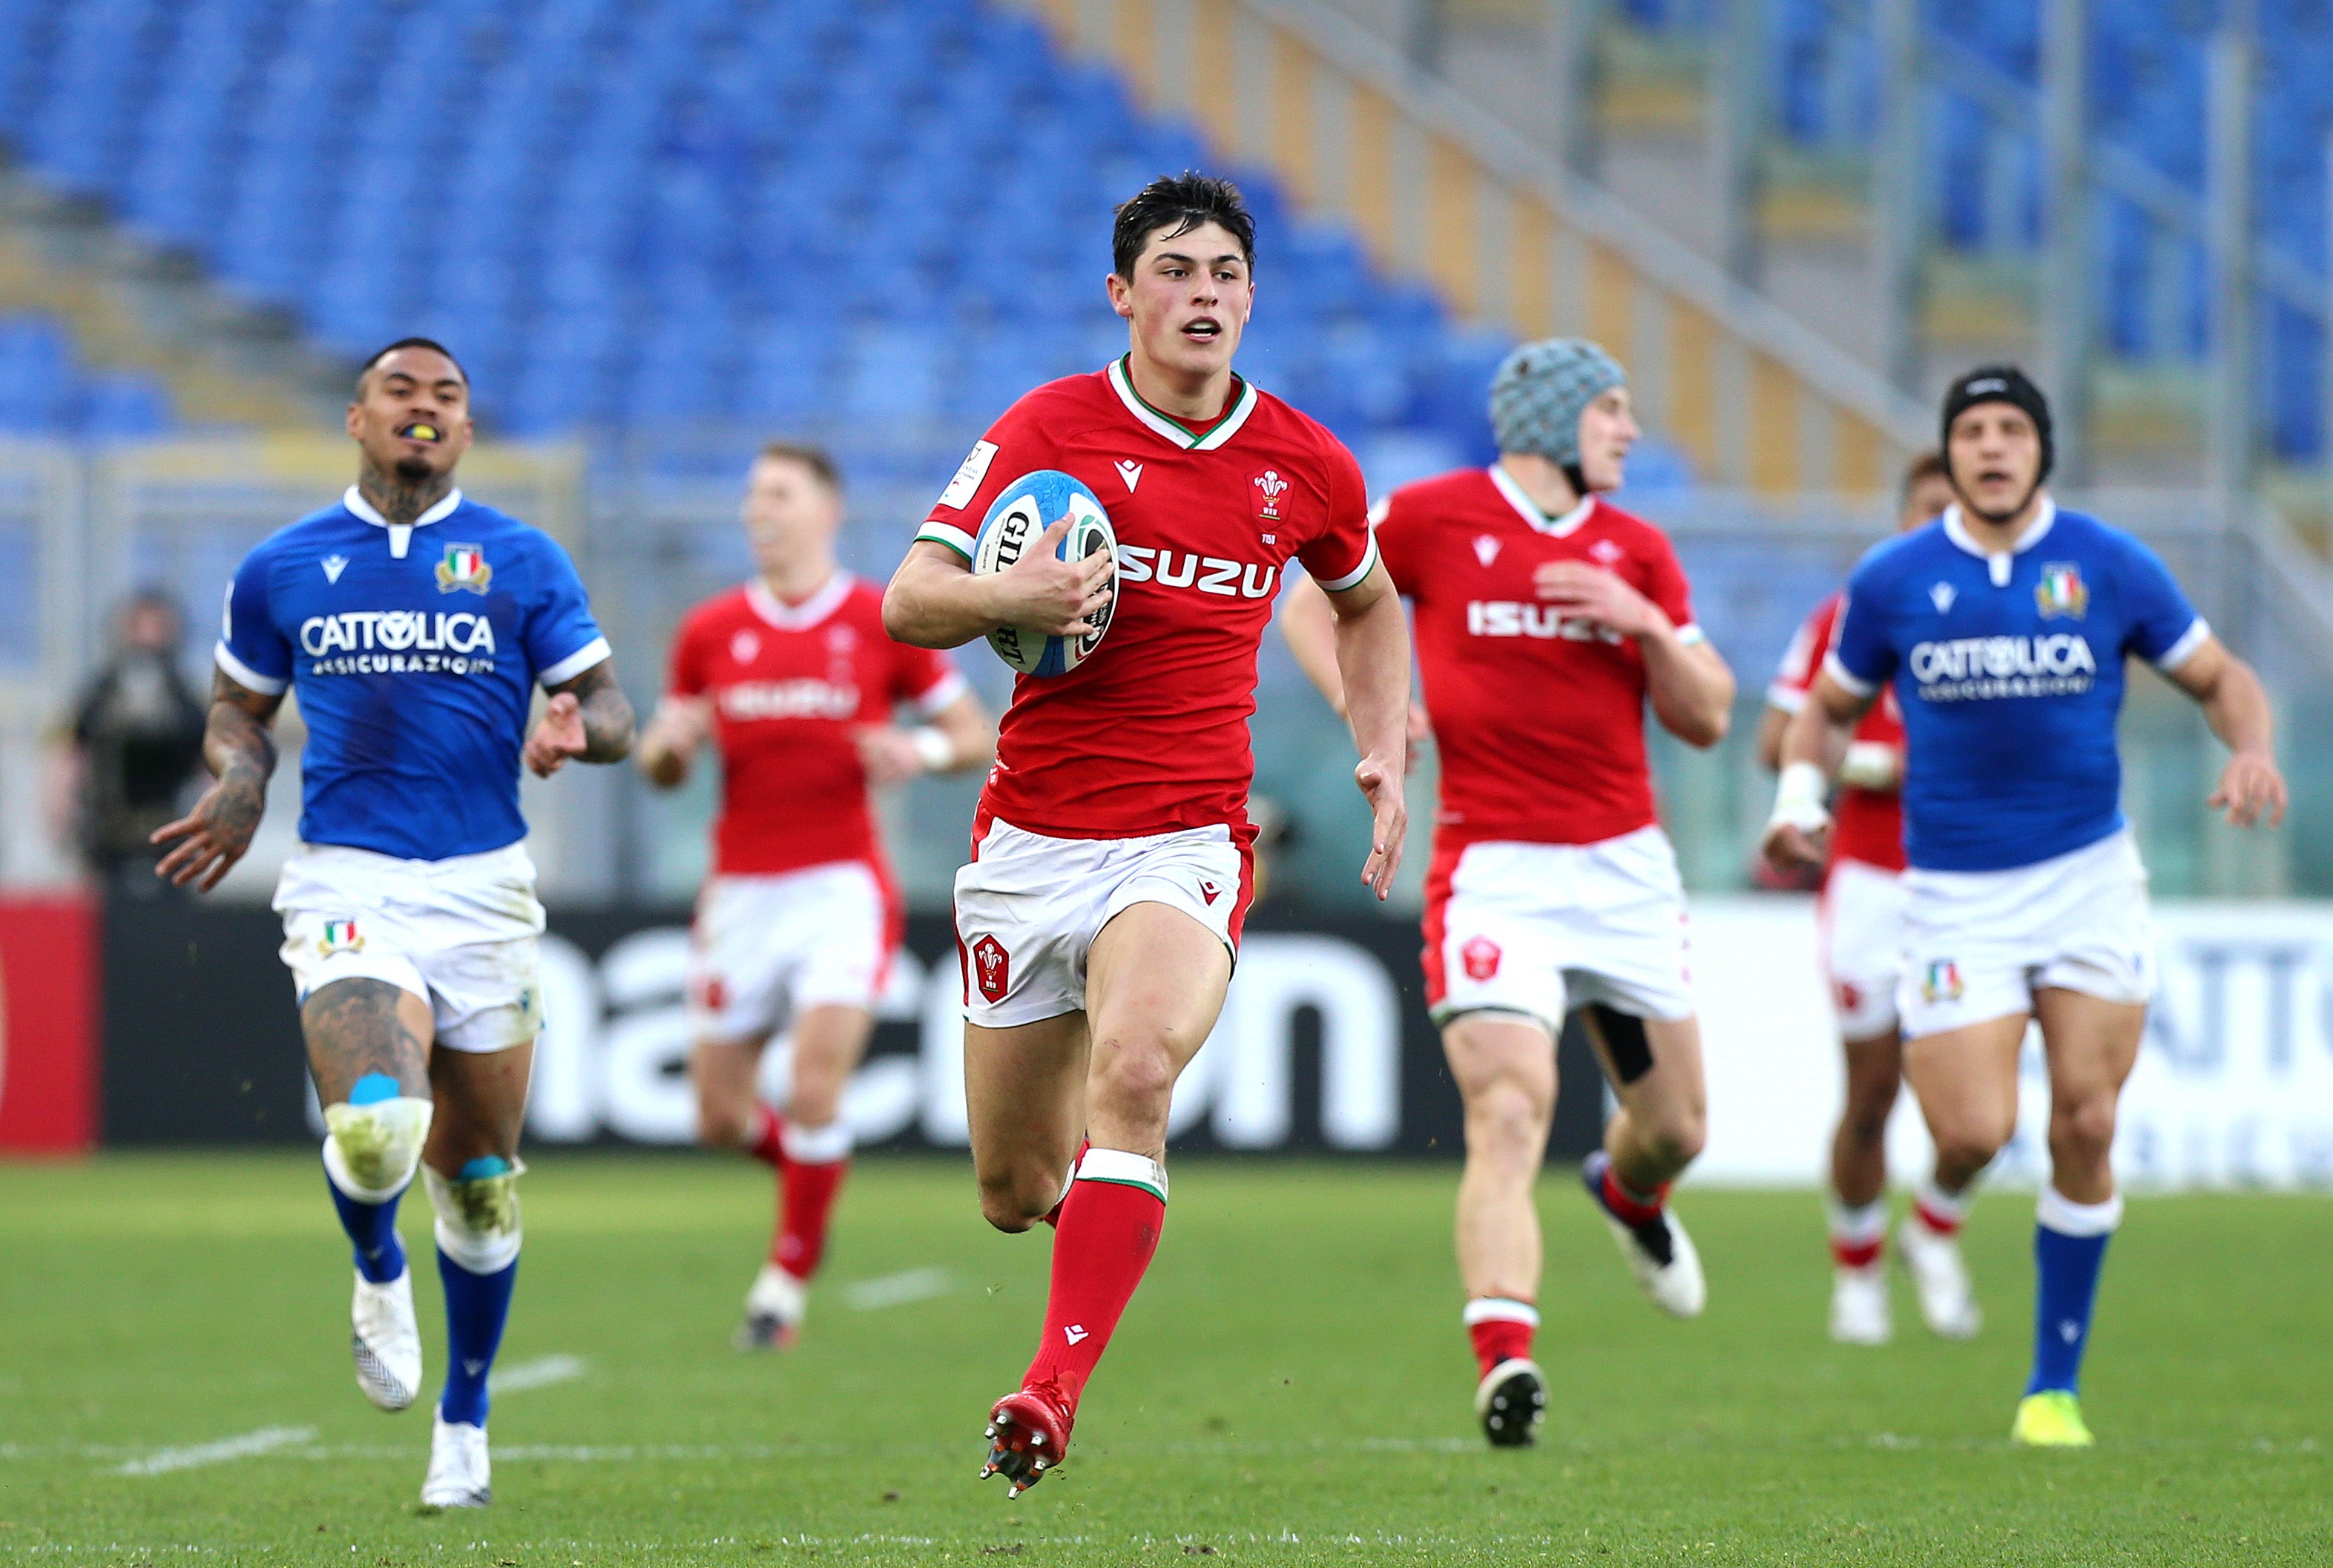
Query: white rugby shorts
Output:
(765,948)
(1859,925)
(459,934)
(1977,944)
(1539,929)
(1028,908)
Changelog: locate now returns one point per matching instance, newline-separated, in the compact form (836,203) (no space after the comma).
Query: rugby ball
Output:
(1020,514)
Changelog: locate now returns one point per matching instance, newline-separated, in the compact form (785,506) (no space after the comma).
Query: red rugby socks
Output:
(1502,1328)
(1109,1230)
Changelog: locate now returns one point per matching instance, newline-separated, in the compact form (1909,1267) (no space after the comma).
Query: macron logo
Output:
(1211,890)
(1075,1332)
(1942,597)
(1486,549)
(1131,473)
(334,564)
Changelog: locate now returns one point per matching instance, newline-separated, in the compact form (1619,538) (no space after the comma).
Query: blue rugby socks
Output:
(370,1220)
(2069,1245)
(479,1264)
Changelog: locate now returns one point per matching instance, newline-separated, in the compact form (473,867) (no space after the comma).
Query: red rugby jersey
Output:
(789,685)
(1150,733)
(1539,721)
(1868,824)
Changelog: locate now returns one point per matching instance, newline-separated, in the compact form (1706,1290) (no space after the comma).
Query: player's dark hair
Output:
(430,343)
(1924,465)
(814,458)
(1180,202)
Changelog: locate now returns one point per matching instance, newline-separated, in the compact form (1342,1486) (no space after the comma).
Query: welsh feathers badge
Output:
(2061,592)
(465,567)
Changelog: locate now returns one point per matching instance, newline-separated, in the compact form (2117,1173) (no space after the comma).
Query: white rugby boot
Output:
(459,1475)
(775,1308)
(1858,1305)
(1510,1402)
(1659,1252)
(385,1341)
(1948,1302)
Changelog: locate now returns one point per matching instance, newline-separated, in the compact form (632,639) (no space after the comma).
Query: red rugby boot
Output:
(1028,1433)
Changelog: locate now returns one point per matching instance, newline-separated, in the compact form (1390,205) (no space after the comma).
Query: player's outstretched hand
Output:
(1381,785)
(887,753)
(214,835)
(1044,594)
(558,736)
(1788,846)
(2250,787)
(1576,588)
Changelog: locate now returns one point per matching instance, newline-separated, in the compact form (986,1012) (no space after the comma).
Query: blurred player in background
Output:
(415,625)
(1100,916)
(795,680)
(2003,628)
(1861,921)
(1546,617)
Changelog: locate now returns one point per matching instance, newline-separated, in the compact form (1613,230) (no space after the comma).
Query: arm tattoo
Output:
(606,713)
(241,751)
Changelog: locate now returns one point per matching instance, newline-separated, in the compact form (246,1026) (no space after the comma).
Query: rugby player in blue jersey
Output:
(415,625)
(2004,627)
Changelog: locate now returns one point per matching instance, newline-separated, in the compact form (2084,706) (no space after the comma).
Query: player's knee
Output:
(1134,1076)
(373,1140)
(1965,1145)
(1506,1121)
(2085,1126)
(1864,1123)
(1677,1134)
(720,1124)
(477,1213)
(1014,1197)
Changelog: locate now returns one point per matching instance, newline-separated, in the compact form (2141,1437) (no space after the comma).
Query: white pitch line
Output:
(898,1289)
(264,1440)
(539,1373)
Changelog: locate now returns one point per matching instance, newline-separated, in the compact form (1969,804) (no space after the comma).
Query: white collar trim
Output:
(358,505)
(799,617)
(1242,405)
(1957,531)
(1529,510)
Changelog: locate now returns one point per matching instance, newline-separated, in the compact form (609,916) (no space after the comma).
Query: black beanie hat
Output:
(1999,384)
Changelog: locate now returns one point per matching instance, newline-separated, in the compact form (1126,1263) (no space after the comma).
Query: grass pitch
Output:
(1290,1387)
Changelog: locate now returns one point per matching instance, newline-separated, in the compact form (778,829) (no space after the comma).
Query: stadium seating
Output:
(44,390)
(779,211)
(2148,69)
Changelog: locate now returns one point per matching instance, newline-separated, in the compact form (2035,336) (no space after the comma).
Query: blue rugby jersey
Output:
(415,651)
(2009,669)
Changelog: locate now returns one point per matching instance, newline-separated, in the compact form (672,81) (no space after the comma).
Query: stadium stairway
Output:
(102,339)
(1647,130)
(1441,188)
(613,249)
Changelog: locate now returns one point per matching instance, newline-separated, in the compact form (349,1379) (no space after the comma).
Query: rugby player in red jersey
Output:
(1861,923)
(793,681)
(1546,616)
(1111,858)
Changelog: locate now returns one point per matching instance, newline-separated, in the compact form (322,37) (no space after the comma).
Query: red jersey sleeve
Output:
(1665,585)
(1342,552)
(1803,658)
(1014,445)
(925,679)
(690,647)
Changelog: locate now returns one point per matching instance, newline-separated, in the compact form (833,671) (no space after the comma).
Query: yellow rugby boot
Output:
(2051,1418)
